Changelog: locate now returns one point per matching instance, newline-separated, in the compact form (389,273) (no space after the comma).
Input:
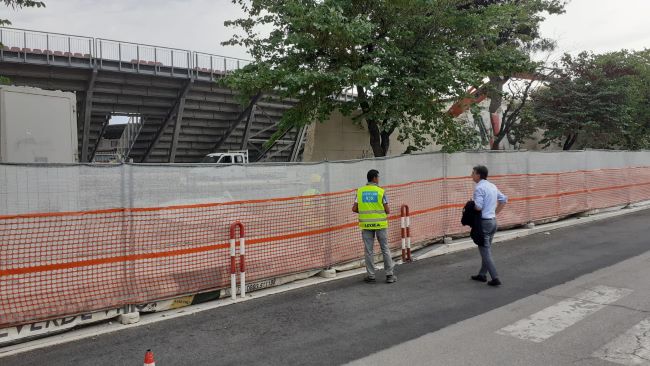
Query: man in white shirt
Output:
(490,201)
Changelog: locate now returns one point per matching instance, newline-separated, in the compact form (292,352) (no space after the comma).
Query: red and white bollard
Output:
(233,260)
(406,234)
(148,359)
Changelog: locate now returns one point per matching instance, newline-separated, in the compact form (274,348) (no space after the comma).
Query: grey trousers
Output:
(487,264)
(369,241)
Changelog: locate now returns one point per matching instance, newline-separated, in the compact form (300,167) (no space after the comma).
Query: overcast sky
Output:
(197,25)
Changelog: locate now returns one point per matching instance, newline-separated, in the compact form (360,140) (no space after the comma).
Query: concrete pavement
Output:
(602,318)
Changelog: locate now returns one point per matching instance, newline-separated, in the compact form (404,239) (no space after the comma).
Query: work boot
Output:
(391,279)
(495,282)
(479,278)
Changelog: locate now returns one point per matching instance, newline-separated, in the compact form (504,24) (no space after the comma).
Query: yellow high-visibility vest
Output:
(370,201)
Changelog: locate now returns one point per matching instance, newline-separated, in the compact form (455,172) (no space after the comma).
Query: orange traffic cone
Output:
(148,359)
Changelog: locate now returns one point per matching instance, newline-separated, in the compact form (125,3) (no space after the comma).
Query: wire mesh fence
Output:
(77,238)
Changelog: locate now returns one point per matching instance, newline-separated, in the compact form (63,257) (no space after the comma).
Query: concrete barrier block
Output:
(129,318)
(328,273)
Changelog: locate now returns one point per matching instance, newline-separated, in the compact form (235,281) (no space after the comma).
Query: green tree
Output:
(517,125)
(404,60)
(637,136)
(507,54)
(517,122)
(592,103)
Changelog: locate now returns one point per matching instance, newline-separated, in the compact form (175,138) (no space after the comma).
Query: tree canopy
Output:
(597,101)
(405,60)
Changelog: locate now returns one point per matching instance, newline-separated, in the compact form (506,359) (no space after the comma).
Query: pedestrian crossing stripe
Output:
(630,348)
(554,319)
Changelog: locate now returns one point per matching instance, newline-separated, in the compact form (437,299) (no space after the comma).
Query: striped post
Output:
(406,233)
(233,259)
(242,262)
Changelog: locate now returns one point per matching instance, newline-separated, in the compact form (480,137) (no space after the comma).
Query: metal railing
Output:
(128,138)
(142,54)
(128,55)
(206,62)
(119,150)
(47,47)
(26,42)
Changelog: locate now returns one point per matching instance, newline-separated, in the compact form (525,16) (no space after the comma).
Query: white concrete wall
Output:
(340,138)
(37,126)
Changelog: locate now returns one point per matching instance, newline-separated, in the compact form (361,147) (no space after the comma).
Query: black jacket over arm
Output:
(472,218)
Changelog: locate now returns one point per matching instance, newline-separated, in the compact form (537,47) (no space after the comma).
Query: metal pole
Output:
(233,268)
(225,66)
(155,60)
(69,50)
(242,263)
(25,45)
(47,47)
(172,62)
(233,260)
(131,134)
(119,54)
(137,54)
(211,66)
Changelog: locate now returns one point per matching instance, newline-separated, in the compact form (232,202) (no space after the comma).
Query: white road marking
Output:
(630,348)
(554,319)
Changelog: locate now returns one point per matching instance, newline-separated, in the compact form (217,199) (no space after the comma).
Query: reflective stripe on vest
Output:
(370,201)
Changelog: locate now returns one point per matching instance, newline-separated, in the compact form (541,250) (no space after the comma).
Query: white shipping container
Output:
(37,126)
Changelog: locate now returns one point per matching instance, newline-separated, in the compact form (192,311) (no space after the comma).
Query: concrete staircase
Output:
(186,114)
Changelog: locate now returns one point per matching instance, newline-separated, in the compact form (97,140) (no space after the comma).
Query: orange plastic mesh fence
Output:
(64,263)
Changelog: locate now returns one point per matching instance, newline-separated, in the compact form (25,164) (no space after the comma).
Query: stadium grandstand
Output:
(176,111)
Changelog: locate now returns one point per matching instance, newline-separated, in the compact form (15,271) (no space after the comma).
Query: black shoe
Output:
(479,278)
(495,282)
(369,279)
(391,279)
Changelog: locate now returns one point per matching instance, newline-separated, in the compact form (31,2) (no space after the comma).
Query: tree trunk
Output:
(496,99)
(497,141)
(497,137)
(570,140)
(385,140)
(379,139)
(376,139)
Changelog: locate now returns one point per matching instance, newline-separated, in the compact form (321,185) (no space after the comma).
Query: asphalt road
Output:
(347,320)
(599,319)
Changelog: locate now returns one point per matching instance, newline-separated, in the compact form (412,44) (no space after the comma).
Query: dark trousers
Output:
(487,264)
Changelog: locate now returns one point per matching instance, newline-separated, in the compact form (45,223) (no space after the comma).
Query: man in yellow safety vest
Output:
(372,206)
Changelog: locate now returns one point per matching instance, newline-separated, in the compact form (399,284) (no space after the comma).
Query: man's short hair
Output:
(482,171)
(372,174)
